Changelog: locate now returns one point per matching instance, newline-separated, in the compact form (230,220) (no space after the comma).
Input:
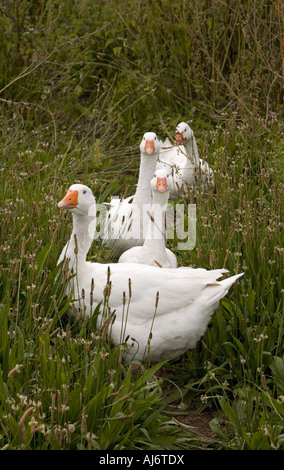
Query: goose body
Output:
(154,251)
(167,153)
(177,316)
(126,220)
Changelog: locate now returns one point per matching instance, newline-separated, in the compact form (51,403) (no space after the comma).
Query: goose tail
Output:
(227,283)
(216,291)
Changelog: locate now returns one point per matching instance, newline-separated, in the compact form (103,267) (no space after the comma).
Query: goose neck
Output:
(82,236)
(192,150)
(155,235)
(146,171)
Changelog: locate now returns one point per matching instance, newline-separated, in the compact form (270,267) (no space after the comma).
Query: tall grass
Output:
(80,83)
(105,61)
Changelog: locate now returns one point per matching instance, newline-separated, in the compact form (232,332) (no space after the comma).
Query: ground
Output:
(191,418)
(196,421)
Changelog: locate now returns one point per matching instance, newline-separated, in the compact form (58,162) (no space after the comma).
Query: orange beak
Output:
(70,201)
(162,184)
(149,147)
(179,138)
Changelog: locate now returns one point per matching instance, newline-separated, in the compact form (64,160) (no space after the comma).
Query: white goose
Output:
(126,222)
(195,167)
(154,251)
(176,317)
(183,158)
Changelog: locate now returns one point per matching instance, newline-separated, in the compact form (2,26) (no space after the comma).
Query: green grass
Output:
(76,114)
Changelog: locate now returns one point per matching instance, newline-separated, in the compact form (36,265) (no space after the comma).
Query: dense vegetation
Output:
(80,82)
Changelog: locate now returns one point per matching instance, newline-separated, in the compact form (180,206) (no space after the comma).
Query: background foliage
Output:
(80,82)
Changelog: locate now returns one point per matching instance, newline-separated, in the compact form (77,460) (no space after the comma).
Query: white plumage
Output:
(187,168)
(177,318)
(154,251)
(126,220)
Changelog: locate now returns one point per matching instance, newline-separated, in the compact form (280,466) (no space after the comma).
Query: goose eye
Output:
(84,192)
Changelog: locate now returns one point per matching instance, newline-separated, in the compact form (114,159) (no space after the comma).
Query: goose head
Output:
(78,199)
(150,144)
(183,133)
(161,181)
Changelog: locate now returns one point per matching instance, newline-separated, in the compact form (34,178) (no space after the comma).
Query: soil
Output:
(196,421)
(192,419)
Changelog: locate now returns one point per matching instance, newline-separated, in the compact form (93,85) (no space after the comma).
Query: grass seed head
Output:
(84,429)
(25,415)
(15,370)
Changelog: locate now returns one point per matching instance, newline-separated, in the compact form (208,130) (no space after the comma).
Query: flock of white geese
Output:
(157,309)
